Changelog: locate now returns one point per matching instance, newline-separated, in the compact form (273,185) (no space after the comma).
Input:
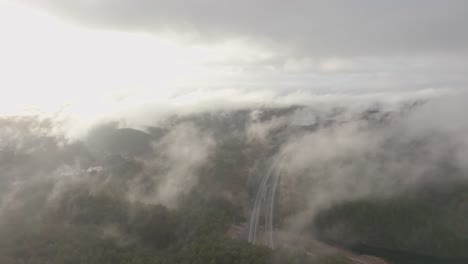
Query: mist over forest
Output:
(385,176)
(221,131)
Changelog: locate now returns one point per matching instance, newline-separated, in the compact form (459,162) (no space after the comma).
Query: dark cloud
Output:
(314,28)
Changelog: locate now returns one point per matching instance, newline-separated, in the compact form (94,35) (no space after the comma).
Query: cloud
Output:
(182,53)
(327,55)
(379,152)
(332,28)
(318,46)
(260,131)
(334,149)
(174,170)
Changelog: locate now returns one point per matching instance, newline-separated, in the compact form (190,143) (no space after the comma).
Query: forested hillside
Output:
(366,180)
(128,196)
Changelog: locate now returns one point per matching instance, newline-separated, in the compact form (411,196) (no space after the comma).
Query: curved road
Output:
(265,201)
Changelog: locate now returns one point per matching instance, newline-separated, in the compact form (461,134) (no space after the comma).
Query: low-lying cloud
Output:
(377,153)
(330,152)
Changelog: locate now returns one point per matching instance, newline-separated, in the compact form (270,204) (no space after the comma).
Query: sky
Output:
(101,58)
(88,61)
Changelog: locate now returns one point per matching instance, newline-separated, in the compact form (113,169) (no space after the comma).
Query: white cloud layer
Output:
(102,58)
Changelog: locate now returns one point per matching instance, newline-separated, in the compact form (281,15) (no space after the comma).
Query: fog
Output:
(377,155)
(175,126)
(330,153)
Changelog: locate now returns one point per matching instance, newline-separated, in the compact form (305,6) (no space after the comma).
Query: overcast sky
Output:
(96,57)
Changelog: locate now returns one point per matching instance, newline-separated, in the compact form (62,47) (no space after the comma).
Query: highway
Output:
(265,203)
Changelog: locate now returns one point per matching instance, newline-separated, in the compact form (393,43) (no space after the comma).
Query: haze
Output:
(98,58)
(217,131)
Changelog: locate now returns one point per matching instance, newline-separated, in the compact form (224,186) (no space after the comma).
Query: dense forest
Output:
(91,201)
(170,193)
(429,221)
(87,228)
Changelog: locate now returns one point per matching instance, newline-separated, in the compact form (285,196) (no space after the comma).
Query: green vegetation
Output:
(431,221)
(98,228)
